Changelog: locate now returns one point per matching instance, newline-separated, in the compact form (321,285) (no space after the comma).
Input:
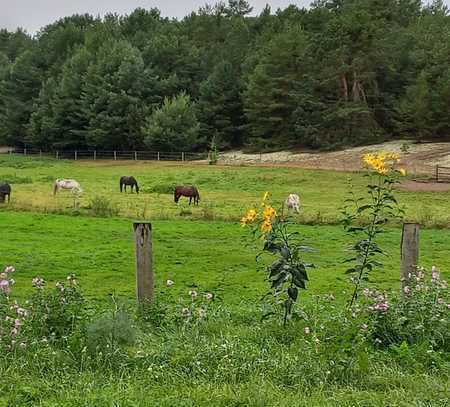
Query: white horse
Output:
(71,184)
(293,203)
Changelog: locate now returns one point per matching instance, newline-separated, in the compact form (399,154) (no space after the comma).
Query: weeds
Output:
(103,207)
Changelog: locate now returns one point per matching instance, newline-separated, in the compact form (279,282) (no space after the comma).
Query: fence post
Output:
(76,154)
(437,173)
(95,155)
(144,262)
(182,156)
(409,252)
(24,151)
(40,153)
(57,154)
(158,155)
(115,156)
(135,156)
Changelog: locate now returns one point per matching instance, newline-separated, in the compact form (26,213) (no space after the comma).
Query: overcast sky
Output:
(34,14)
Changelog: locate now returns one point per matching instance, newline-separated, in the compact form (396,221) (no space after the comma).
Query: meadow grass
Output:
(210,256)
(232,358)
(226,192)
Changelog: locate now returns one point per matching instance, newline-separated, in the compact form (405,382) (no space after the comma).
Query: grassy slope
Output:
(225,191)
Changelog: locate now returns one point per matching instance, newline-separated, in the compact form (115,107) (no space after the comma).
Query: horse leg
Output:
(190,199)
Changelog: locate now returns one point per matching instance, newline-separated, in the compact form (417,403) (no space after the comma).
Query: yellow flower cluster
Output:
(383,163)
(268,215)
(249,217)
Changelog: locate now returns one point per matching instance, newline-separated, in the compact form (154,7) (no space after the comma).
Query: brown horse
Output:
(190,192)
(124,181)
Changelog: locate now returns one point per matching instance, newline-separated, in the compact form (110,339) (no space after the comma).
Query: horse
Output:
(124,181)
(293,203)
(71,184)
(5,189)
(190,192)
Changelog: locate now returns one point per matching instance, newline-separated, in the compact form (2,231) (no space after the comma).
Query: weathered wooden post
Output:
(135,156)
(182,156)
(158,155)
(144,262)
(76,155)
(409,252)
(57,154)
(95,155)
(40,153)
(24,151)
(115,155)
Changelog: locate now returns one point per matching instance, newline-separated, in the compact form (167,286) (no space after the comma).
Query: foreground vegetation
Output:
(95,348)
(339,72)
(226,192)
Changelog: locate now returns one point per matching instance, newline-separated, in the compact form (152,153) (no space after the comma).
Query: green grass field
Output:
(225,191)
(232,358)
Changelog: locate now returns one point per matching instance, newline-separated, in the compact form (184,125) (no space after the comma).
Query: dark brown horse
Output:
(5,190)
(124,181)
(189,191)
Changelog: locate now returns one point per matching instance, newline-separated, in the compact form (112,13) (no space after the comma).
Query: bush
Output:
(103,207)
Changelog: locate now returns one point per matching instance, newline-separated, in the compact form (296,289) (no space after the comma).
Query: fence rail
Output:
(113,155)
(442,174)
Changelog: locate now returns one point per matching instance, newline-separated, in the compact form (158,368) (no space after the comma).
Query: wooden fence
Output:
(442,174)
(113,155)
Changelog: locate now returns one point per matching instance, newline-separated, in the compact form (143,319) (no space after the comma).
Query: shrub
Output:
(103,207)
(419,314)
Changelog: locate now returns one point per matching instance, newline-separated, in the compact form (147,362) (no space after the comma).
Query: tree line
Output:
(342,72)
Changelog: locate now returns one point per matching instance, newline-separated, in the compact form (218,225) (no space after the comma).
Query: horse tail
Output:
(120,184)
(137,187)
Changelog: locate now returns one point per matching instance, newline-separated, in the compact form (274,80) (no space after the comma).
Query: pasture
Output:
(225,192)
(232,357)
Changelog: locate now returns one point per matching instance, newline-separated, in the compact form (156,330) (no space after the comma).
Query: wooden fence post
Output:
(95,155)
(182,156)
(135,156)
(144,262)
(158,155)
(115,155)
(40,153)
(409,252)
(76,154)
(24,151)
(57,154)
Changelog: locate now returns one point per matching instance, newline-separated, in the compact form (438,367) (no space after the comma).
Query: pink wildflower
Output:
(10,269)
(407,290)
(38,282)
(366,292)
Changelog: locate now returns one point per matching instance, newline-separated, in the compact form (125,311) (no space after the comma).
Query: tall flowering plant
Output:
(367,216)
(287,274)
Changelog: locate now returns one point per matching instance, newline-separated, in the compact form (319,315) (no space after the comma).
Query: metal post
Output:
(144,262)
(409,252)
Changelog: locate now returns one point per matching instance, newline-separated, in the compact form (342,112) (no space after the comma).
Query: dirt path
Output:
(420,158)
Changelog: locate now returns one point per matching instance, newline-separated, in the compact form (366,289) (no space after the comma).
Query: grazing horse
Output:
(71,184)
(293,203)
(190,192)
(5,189)
(124,181)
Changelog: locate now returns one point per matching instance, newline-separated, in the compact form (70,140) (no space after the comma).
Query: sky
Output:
(34,14)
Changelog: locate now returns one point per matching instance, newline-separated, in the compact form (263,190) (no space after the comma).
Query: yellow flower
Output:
(266,226)
(250,217)
(381,162)
(269,212)
(265,196)
(403,172)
